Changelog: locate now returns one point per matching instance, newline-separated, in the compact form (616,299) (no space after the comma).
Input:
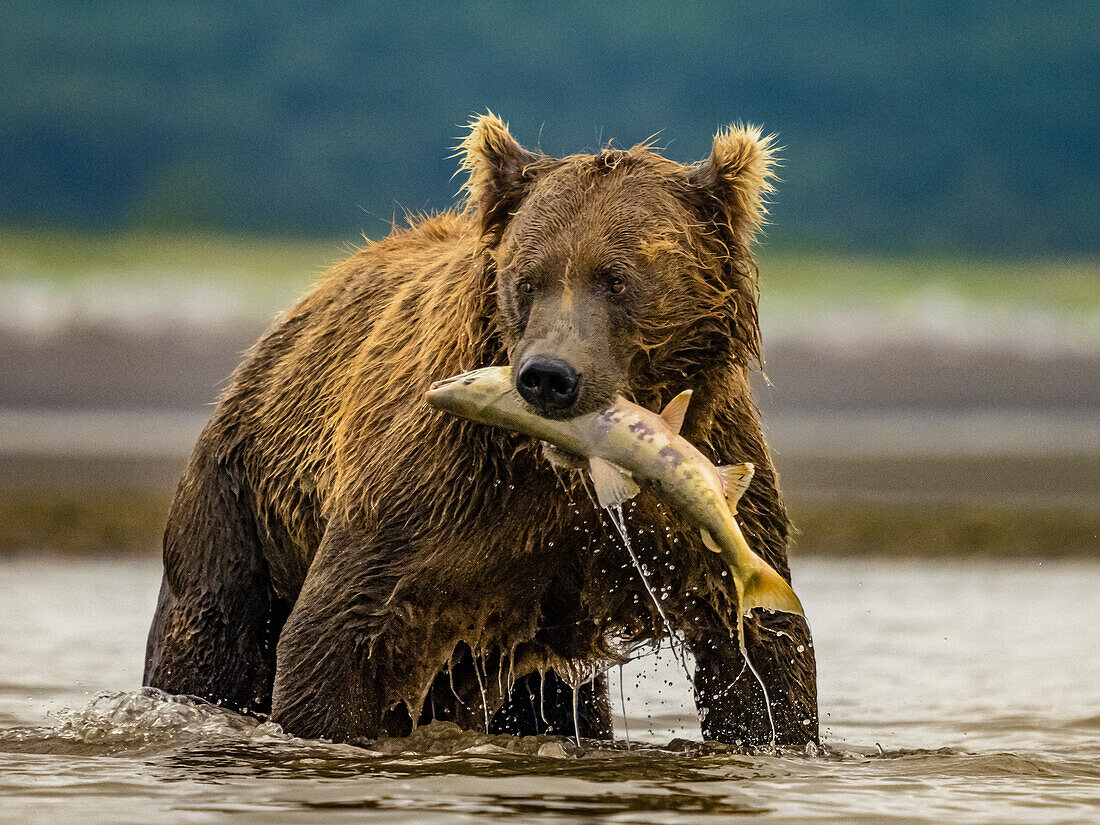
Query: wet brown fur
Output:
(423,564)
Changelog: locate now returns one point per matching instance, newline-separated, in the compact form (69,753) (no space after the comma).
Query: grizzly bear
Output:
(355,563)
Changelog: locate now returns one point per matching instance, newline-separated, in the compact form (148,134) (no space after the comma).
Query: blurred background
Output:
(173,174)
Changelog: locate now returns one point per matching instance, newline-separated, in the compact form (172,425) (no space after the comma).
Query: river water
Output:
(950,691)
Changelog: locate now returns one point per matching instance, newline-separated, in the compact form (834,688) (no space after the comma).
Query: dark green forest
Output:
(908,127)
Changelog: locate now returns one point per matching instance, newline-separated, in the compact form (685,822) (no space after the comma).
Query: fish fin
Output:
(675,410)
(765,589)
(613,484)
(735,480)
(708,540)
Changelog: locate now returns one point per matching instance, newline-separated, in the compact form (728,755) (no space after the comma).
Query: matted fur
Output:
(403,542)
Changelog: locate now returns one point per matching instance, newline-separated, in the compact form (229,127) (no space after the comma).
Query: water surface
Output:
(950,691)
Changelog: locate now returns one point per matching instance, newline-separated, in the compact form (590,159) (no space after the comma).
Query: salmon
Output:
(624,444)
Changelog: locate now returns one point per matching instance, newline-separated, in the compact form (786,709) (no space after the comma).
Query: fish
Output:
(624,444)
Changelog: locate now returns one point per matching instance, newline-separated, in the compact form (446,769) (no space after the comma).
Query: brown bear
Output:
(355,563)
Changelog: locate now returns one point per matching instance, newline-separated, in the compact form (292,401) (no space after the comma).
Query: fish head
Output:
(487,395)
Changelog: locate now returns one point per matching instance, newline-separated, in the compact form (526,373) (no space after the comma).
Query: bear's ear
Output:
(499,171)
(737,178)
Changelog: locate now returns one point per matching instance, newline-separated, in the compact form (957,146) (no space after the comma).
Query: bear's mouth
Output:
(563,459)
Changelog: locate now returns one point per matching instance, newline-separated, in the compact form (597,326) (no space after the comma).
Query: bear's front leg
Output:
(730,698)
(332,669)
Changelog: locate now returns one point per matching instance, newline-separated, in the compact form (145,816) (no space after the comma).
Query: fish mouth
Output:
(449,382)
(437,395)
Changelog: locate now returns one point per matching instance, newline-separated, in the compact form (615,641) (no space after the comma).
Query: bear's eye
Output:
(616,284)
(526,287)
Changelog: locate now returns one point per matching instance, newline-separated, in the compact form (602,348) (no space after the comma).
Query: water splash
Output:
(127,722)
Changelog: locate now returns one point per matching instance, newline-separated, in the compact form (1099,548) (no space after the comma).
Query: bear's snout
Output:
(550,385)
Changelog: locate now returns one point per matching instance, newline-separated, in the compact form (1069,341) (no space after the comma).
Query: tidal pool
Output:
(950,691)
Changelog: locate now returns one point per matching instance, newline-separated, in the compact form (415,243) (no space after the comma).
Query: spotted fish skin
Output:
(625,443)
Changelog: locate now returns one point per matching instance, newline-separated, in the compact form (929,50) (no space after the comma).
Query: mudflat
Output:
(890,449)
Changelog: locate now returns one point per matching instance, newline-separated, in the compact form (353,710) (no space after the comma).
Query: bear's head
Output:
(620,272)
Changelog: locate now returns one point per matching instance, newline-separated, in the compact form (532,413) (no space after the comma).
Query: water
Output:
(950,691)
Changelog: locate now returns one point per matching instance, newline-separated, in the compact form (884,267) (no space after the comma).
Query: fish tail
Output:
(765,589)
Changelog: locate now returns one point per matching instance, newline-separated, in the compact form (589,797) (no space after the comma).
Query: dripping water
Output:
(576,719)
(577,676)
(743,649)
(759,680)
(616,513)
(622,703)
(542,699)
(481,686)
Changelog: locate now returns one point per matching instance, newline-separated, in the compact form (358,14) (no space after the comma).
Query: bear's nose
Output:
(548,383)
